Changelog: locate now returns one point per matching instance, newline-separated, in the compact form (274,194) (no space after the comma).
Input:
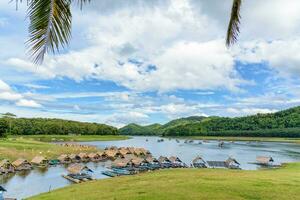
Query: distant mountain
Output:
(157,129)
(135,129)
(284,123)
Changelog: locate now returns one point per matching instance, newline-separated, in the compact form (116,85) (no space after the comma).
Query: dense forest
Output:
(34,126)
(280,124)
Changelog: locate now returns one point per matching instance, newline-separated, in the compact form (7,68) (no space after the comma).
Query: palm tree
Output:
(50,25)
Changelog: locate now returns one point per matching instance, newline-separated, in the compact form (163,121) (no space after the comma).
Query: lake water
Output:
(37,181)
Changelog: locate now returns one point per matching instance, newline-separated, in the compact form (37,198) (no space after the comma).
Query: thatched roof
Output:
(20,162)
(83,155)
(232,160)
(101,153)
(131,149)
(111,148)
(111,153)
(162,159)
(38,160)
(198,159)
(74,156)
(63,157)
(78,168)
(4,163)
(121,162)
(174,159)
(264,159)
(129,156)
(94,155)
(124,151)
(137,161)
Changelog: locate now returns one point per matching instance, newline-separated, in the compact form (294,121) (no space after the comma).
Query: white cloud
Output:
(4,86)
(187,53)
(281,55)
(249,111)
(36,86)
(28,103)
(121,119)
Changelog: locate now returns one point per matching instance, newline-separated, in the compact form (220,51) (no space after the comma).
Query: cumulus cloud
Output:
(121,119)
(249,111)
(281,55)
(28,103)
(8,94)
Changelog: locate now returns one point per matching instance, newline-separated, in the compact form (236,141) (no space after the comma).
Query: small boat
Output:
(121,171)
(109,173)
(221,144)
(54,162)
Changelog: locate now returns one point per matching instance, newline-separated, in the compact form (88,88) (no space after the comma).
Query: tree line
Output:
(285,123)
(43,126)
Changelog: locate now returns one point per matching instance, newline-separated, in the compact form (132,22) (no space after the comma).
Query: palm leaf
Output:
(50,26)
(233,27)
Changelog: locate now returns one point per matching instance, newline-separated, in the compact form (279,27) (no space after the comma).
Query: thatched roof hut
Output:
(264,160)
(6,167)
(138,161)
(131,149)
(84,157)
(163,159)
(111,148)
(95,157)
(39,160)
(151,159)
(174,159)
(121,162)
(232,163)
(124,151)
(75,158)
(199,162)
(22,164)
(78,169)
(64,158)
(112,153)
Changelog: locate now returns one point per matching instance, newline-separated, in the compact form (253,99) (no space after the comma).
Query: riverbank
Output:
(259,139)
(72,138)
(27,147)
(189,184)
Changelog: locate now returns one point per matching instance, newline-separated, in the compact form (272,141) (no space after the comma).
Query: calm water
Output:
(37,181)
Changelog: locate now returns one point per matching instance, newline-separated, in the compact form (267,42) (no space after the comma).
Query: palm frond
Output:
(50,27)
(233,26)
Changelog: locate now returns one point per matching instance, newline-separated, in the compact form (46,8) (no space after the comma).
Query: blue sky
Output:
(153,61)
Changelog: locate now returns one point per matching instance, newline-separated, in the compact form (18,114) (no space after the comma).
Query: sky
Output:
(138,61)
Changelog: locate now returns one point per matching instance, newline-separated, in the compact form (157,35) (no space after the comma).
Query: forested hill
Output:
(285,123)
(34,126)
(157,129)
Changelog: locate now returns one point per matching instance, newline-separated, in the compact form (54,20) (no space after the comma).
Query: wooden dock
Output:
(71,179)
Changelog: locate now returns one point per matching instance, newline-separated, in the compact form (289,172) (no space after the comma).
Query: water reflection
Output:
(39,180)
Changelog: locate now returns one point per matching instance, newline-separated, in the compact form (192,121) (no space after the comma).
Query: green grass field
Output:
(30,146)
(75,138)
(261,139)
(189,184)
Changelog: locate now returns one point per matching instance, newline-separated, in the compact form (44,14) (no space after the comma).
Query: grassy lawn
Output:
(75,138)
(261,139)
(190,184)
(30,146)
